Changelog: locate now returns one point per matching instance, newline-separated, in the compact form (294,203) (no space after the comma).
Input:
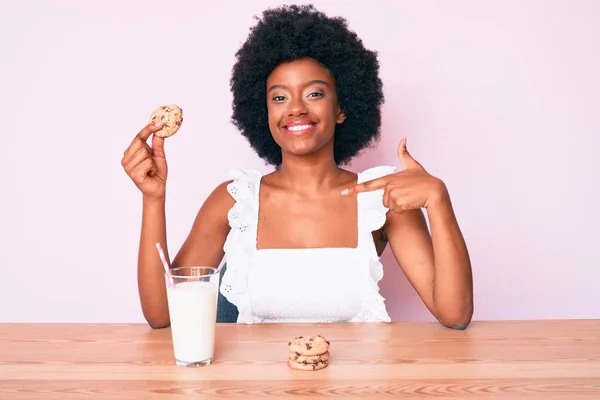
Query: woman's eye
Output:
(278,98)
(315,94)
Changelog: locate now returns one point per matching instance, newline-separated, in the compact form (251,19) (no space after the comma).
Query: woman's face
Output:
(303,106)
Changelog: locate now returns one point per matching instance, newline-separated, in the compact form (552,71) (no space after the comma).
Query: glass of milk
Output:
(192,298)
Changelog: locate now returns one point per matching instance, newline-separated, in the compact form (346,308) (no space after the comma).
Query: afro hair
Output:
(291,32)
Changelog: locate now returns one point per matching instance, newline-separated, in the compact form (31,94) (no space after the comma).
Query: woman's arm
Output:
(436,265)
(203,246)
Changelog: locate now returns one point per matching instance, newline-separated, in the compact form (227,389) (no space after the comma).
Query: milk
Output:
(193,312)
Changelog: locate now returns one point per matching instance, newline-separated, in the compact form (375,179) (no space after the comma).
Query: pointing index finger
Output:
(368,186)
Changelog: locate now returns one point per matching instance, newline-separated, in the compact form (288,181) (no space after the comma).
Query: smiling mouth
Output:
(300,129)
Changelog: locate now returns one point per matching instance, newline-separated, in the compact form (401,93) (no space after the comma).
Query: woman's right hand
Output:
(145,165)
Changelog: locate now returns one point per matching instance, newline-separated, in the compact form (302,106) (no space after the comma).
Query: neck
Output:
(310,173)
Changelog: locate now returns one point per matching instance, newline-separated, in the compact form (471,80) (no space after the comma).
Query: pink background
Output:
(499,99)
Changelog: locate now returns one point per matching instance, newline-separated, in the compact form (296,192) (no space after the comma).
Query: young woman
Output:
(303,243)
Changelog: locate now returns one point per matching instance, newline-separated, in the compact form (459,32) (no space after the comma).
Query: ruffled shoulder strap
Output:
(241,240)
(372,213)
(244,189)
(372,216)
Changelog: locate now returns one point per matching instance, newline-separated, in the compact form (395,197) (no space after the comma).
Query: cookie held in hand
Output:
(171,116)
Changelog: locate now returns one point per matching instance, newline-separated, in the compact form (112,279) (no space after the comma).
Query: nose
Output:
(297,108)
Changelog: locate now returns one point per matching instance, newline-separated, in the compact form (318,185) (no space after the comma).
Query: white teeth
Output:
(298,128)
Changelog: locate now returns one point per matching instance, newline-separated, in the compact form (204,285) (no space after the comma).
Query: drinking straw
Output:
(165,264)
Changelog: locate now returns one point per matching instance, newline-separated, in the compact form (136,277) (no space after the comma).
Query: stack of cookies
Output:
(308,353)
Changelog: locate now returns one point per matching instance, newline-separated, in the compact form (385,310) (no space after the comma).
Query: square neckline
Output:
(304,249)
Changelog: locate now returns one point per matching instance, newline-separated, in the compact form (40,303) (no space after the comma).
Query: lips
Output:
(299,128)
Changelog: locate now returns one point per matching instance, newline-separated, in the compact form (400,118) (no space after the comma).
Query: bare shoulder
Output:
(221,195)
(217,204)
(204,244)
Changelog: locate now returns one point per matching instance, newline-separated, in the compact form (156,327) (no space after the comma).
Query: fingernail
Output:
(345,192)
(158,124)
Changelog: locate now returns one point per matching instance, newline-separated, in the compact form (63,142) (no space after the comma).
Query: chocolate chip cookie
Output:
(299,358)
(171,116)
(305,366)
(309,346)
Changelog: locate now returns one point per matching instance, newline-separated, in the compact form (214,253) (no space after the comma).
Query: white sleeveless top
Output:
(317,285)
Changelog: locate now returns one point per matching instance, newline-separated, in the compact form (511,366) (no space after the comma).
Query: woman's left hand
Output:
(410,189)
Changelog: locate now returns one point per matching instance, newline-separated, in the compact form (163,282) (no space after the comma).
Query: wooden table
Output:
(489,360)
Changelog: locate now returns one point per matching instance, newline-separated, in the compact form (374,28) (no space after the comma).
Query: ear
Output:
(341,116)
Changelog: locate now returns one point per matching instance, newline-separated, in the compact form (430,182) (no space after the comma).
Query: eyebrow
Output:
(314,81)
